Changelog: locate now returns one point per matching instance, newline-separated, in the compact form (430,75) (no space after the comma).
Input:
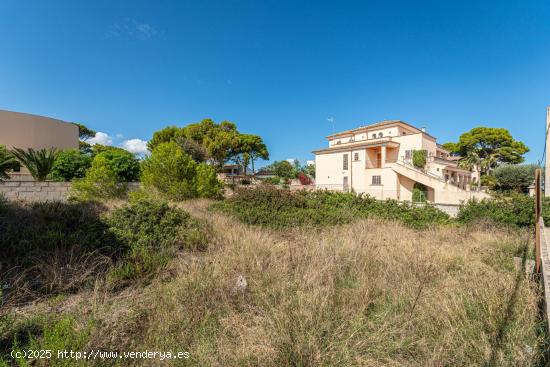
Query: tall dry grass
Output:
(371,293)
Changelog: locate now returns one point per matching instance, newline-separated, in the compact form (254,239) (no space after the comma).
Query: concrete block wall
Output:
(35,191)
(42,191)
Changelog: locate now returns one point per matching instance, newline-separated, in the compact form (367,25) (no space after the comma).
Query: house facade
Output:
(377,159)
(23,130)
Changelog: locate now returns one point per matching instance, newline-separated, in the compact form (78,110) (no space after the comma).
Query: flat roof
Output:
(378,125)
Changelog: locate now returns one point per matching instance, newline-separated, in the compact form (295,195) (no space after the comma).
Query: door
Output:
(346,184)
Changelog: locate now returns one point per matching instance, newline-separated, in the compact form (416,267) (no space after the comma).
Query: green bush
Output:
(70,163)
(153,232)
(419,158)
(488,181)
(52,247)
(123,163)
(7,163)
(100,182)
(515,177)
(419,193)
(174,173)
(208,185)
(269,206)
(46,336)
(512,209)
(272,180)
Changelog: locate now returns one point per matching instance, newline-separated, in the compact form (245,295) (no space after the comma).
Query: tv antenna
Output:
(331,120)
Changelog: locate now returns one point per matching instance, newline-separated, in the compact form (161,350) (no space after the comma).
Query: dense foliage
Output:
(7,163)
(153,232)
(124,164)
(53,247)
(511,209)
(485,148)
(419,158)
(515,177)
(277,208)
(217,143)
(39,162)
(70,164)
(174,173)
(100,182)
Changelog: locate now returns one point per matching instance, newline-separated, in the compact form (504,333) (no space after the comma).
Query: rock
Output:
(241,284)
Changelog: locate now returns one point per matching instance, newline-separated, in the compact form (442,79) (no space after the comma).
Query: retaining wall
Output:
(41,191)
(35,191)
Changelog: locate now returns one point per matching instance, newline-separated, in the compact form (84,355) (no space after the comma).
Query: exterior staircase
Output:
(441,188)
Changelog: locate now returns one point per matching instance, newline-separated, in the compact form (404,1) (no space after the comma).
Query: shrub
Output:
(100,182)
(174,173)
(208,185)
(123,163)
(488,181)
(304,180)
(515,177)
(245,181)
(152,232)
(272,180)
(277,208)
(7,163)
(419,193)
(171,171)
(70,163)
(38,162)
(419,158)
(52,247)
(511,209)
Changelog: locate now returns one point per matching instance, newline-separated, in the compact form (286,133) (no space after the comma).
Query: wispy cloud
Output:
(133,29)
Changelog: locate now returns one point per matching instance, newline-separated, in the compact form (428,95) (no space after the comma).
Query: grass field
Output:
(368,293)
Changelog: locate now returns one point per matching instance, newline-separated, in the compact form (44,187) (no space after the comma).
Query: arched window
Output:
(374,136)
(380,135)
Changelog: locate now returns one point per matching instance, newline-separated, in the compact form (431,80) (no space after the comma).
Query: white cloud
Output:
(100,138)
(290,160)
(119,136)
(310,163)
(130,28)
(136,146)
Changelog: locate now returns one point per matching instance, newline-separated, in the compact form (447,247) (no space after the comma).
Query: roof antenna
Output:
(331,120)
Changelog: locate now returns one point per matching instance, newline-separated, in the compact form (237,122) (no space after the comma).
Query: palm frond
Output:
(38,162)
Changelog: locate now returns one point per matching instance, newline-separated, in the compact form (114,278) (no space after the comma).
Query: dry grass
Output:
(367,294)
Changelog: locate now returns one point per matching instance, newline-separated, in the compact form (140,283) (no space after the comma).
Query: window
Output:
(404,133)
(380,135)
(376,180)
(345,162)
(355,156)
(408,154)
(374,136)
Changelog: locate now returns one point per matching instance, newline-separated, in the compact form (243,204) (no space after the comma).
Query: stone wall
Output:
(42,191)
(35,191)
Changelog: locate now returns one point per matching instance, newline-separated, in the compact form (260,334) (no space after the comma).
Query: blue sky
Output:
(280,69)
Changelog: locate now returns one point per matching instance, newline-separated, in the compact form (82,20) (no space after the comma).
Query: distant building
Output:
(377,159)
(23,130)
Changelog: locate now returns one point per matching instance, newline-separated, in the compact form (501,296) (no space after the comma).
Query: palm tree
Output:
(38,162)
(7,163)
(472,162)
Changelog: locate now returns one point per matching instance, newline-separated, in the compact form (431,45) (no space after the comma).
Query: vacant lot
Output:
(368,293)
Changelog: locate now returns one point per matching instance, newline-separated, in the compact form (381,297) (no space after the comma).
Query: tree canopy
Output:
(486,148)
(213,142)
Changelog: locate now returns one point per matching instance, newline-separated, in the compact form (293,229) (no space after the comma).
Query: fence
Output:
(542,250)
